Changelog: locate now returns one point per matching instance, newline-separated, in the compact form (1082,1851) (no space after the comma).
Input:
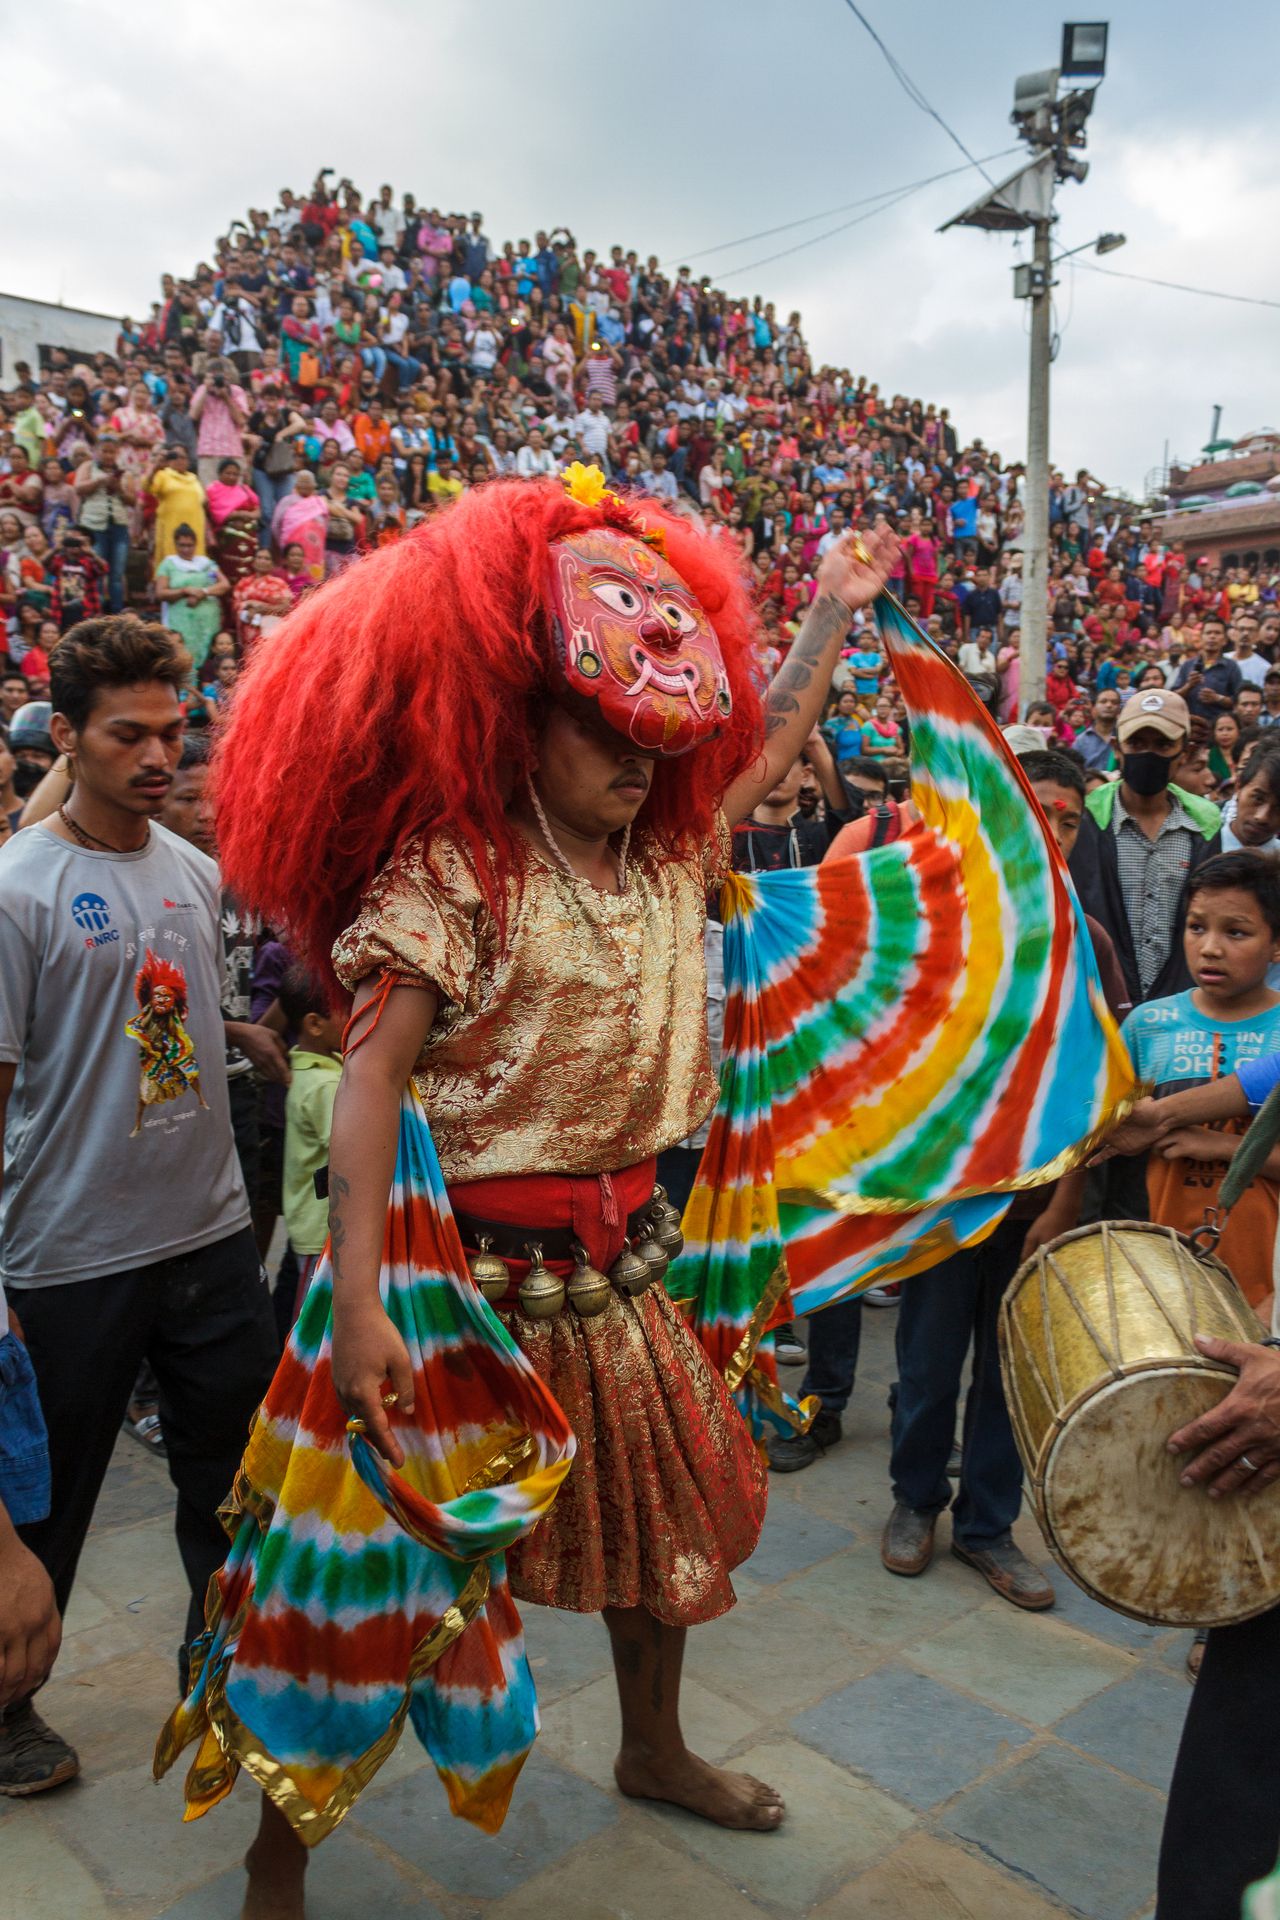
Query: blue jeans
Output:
(406,366)
(376,358)
(112,545)
(835,1335)
(941,1313)
(271,489)
(24,1444)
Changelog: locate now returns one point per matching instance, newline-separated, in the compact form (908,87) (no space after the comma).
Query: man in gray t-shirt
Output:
(110,1010)
(124,1224)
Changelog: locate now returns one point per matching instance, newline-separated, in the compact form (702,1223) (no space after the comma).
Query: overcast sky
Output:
(133,132)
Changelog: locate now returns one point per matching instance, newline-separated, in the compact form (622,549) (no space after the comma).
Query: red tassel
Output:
(375,1004)
(608,1201)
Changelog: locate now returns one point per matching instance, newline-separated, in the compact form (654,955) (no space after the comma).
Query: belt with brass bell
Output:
(631,1273)
(653,1241)
(588,1290)
(491,1275)
(541,1294)
(666,1224)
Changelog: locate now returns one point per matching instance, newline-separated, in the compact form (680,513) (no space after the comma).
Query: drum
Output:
(1097,1351)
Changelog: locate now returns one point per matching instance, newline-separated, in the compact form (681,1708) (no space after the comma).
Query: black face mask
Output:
(1146,773)
(26,779)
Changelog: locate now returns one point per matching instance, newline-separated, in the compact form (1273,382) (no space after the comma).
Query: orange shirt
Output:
(372,440)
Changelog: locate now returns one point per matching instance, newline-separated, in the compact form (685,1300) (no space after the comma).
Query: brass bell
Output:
(541,1294)
(665,1229)
(588,1288)
(491,1274)
(630,1272)
(666,1226)
(651,1253)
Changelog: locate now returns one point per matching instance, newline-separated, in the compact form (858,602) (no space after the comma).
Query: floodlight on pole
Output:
(1084,49)
(1052,128)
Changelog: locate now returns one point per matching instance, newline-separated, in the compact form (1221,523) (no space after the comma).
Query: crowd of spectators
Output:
(347,364)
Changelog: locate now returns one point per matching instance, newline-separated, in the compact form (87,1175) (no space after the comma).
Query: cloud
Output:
(134,130)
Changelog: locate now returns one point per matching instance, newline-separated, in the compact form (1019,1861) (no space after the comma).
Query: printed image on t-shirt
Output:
(169,1067)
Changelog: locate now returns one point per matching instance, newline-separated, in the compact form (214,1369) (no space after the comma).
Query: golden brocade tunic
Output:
(579,1045)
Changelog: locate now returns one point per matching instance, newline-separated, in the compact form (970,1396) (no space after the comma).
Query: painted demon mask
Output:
(635,653)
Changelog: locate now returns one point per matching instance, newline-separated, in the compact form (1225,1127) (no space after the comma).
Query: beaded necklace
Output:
(558,853)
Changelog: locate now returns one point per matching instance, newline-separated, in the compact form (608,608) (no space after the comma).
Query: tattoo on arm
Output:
(339,1190)
(828,618)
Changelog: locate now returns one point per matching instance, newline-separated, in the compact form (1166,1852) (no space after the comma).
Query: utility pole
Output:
(1034,630)
(1051,127)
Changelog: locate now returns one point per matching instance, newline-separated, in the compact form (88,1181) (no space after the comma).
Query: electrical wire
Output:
(903,193)
(1177,286)
(913,93)
(786,226)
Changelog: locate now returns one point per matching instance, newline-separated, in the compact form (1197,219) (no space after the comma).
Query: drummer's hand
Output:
(1246,1423)
(1046,1227)
(1196,1143)
(1141,1130)
(367,1353)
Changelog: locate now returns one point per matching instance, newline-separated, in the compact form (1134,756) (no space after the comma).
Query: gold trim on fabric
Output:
(1072,1157)
(226,1744)
(739,1366)
(496,1469)
(772,1396)
(209,1781)
(244,1498)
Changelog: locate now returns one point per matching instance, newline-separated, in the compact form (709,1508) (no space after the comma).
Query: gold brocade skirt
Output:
(667,1492)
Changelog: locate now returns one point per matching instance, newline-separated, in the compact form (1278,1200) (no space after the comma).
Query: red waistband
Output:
(593,1206)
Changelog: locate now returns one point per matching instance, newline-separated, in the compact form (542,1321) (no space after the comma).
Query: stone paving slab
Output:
(630,1873)
(946,1757)
(835,1826)
(909,1734)
(40,1875)
(1135,1726)
(581,1731)
(551,1812)
(353,1879)
(928,1878)
(1078,1830)
(1021,1662)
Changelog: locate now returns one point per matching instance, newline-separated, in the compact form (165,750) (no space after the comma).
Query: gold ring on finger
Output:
(391,1399)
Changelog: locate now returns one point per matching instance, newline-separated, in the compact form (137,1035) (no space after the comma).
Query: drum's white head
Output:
(1124,1527)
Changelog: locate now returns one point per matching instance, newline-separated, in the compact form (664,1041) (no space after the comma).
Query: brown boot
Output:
(1008,1571)
(906,1545)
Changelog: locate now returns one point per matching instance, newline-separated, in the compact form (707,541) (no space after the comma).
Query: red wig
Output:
(408,696)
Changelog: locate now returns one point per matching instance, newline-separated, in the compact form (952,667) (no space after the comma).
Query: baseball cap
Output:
(1166,712)
(1021,738)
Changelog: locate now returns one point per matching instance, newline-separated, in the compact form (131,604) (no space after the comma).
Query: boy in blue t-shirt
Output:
(867,663)
(1228,1018)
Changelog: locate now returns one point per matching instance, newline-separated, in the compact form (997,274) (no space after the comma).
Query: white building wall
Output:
(28,325)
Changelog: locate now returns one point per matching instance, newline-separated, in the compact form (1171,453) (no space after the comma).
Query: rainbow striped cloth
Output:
(329,1624)
(911,1034)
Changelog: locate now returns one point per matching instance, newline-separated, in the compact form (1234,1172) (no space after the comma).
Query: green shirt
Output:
(308,1114)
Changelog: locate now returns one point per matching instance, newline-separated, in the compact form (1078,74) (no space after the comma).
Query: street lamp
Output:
(1028,280)
(1054,129)
(1105,243)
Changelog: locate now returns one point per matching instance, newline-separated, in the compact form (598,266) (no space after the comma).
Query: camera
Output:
(219,379)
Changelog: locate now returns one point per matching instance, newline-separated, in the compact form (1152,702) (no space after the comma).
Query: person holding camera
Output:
(220,410)
(106,497)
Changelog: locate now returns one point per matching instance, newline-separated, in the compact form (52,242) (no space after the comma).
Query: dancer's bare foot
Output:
(277,1866)
(728,1799)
